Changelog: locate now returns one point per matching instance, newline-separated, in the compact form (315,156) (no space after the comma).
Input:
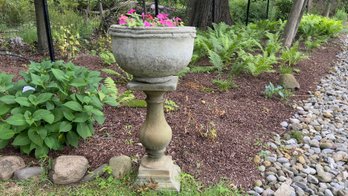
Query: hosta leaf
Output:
(36,79)
(52,142)
(16,120)
(25,149)
(49,106)
(21,140)
(78,82)
(3,143)
(8,99)
(4,109)
(41,152)
(83,130)
(35,137)
(99,119)
(81,117)
(73,105)
(42,98)
(58,74)
(42,132)
(23,101)
(72,139)
(65,126)
(68,115)
(5,132)
(45,115)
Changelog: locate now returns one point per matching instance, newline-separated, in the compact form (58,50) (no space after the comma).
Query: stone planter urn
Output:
(154,55)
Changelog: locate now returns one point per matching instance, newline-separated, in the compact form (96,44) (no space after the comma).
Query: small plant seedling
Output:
(271,90)
(263,153)
(170,105)
(107,57)
(298,135)
(210,132)
(224,85)
(129,142)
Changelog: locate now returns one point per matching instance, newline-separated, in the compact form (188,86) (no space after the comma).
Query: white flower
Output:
(28,88)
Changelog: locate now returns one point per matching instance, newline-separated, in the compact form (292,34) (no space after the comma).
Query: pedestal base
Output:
(167,175)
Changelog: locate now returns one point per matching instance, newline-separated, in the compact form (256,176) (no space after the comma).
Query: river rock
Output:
(120,165)
(28,172)
(68,169)
(10,164)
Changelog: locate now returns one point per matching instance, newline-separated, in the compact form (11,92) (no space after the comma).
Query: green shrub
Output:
(341,14)
(283,8)
(319,26)
(67,42)
(55,105)
(28,33)
(238,9)
(14,13)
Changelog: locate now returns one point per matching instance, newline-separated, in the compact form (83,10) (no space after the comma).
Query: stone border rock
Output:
(66,169)
(312,158)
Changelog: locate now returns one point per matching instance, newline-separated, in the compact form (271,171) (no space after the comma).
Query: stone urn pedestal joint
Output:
(155,135)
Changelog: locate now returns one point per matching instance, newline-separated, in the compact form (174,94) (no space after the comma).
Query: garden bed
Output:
(243,119)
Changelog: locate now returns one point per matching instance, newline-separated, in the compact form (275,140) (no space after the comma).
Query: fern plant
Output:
(291,56)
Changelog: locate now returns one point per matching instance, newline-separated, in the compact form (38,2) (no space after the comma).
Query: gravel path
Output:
(312,159)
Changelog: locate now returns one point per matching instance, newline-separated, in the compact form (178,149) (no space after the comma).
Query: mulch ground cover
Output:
(242,118)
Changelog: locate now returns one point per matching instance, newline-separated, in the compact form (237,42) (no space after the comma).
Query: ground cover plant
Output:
(55,105)
(226,98)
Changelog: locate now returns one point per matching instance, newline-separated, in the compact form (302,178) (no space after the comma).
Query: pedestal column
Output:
(155,135)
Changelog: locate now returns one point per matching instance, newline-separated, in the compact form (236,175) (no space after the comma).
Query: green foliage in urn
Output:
(55,105)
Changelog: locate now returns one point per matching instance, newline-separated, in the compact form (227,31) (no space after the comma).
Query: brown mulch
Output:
(242,118)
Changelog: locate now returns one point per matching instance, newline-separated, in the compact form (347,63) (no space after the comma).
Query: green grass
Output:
(109,186)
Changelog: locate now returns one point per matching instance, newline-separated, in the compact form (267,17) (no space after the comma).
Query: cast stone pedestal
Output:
(155,135)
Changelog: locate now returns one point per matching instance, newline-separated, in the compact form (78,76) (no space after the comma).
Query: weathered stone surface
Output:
(28,172)
(285,190)
(120,165)
(289,81)
(95,173)
(10,164)
(68,169)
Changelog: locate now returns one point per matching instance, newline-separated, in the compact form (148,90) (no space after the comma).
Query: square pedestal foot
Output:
(166,176)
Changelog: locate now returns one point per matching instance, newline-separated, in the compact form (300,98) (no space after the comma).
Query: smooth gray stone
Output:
(28,172)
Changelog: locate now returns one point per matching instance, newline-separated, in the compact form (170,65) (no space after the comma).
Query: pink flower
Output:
(131,11)
(147,24)
(168,23)
(122,20)
(162,16)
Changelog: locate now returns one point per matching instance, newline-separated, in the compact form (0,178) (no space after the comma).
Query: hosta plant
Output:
(55,105)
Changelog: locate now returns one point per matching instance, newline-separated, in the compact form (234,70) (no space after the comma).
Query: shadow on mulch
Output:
(242,118)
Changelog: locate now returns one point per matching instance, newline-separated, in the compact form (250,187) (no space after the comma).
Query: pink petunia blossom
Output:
(168,23)
(147,24)
(122,20)
(131,11)
(162,16)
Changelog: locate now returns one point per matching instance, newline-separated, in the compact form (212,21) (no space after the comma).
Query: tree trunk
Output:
(328,9)
(294,20)
(309,5)
(204,13)
(42,41)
